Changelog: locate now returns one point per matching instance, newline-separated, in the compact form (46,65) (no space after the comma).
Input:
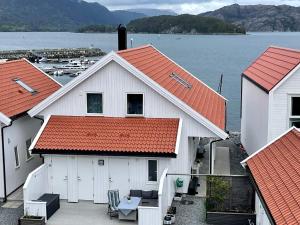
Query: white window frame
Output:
(147,172)
(16,150)
(86,102)
(290,117)
(126,104)
(27,150)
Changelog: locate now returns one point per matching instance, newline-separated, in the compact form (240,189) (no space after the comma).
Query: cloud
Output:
(187,6)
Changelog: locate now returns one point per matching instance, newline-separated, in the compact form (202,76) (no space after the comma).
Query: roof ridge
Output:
(132,49)
(284,48)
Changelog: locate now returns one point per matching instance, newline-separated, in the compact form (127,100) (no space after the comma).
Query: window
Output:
(17,161)
(135,104)
(25,86)
(152,170)
(94,103)
(28,143)
(295,112)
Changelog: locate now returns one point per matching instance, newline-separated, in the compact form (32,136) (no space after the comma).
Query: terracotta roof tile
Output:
(14,99)
(109,134)
(272,66)
(159,68)
(276,172)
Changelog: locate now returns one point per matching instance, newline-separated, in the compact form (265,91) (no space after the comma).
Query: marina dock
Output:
(52,54)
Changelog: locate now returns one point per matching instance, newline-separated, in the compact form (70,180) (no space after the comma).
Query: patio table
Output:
(128,207)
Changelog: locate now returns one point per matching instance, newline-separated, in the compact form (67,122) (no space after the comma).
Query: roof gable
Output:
(275,169)
(178,82)
(112,56)
(17,78)
(272,67)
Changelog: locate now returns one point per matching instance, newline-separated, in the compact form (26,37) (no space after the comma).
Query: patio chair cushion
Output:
(154,194)
(147,194)
(113,199)
(136,193)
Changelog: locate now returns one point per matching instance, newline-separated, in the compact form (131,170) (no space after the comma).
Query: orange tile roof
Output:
(14,99)
(159,68)
(108,134)
(276,170)
(272,66)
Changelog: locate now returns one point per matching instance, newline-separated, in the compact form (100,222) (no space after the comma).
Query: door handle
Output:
(78,178)
(66,178)
(110,180)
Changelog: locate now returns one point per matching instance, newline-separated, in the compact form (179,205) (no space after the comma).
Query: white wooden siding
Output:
(16,135)
(255,114)
(114,82)
(280,108)
(261,216)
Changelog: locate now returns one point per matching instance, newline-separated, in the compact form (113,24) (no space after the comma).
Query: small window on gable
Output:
(17,161)
(152,170)
(295,112)
(94,103)
(135,104)
(28,154)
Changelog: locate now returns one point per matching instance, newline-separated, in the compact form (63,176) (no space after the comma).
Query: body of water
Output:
(206,56)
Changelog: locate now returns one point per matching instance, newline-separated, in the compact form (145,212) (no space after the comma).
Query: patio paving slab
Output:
(10,216)
(84,212)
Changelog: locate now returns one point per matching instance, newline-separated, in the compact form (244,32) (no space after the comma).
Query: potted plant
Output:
(32,220)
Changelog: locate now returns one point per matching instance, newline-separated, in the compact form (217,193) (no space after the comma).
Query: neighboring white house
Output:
(274,172)
(270,101)
(109,128)
(22,86)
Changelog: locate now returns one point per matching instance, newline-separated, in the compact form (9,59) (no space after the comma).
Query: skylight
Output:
(25,86)
(182,81)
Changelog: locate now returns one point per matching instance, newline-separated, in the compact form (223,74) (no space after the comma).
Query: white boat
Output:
(71,67)
(58,73)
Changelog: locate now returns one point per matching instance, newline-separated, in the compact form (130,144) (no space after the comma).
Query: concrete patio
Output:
(84,212)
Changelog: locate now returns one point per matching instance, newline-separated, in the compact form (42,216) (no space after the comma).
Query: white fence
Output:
(155,215)
(35,186)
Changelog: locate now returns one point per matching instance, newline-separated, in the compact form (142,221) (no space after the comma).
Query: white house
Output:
(270,97)
(122,122)
(22,86)
(274,172)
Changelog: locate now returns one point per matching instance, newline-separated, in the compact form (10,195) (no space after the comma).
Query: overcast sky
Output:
(186,6)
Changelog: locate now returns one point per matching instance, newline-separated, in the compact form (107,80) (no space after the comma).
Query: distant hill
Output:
(260,17)
(57,15)
(153,12)
(182,24)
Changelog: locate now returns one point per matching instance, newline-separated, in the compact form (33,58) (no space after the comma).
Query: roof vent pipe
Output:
(122,37)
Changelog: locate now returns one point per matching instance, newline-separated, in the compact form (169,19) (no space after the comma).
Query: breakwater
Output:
(64,53)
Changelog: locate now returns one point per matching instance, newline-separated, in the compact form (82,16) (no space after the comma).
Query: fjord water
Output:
(206,56)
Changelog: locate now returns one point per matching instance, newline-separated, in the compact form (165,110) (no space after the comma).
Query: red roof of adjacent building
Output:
(276,170)
(14,99)
(108,134)
(272,66)
(178,82)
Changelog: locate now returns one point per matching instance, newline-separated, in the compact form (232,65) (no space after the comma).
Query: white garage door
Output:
(59,178)
(85,178)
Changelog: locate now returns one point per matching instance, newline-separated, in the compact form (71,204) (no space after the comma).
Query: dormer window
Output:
(94,103)
(135,104)
(295,111)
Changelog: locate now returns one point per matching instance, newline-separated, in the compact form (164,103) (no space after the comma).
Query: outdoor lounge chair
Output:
(113,202)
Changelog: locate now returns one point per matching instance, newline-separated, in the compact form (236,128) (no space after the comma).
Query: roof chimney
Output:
(122,37)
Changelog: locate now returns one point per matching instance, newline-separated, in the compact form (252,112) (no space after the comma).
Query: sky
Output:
(187,6)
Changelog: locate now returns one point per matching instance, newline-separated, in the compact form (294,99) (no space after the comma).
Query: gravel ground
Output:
(190,214)
(10,216)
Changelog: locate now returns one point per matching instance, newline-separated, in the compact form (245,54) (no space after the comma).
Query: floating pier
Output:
(63,53)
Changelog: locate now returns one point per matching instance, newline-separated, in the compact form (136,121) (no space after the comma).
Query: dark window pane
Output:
(152,170)
(295,106)
(134,104)
(295,123)
(94,103)
(16,157)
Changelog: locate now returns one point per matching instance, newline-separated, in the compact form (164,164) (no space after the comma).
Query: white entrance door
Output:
(119,176)
(59,176)
(101,184)
(85,178)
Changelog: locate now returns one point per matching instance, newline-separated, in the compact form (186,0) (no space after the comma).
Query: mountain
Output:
(153,12)
(57,15)
(126,16)
(182,24)
(260,17)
